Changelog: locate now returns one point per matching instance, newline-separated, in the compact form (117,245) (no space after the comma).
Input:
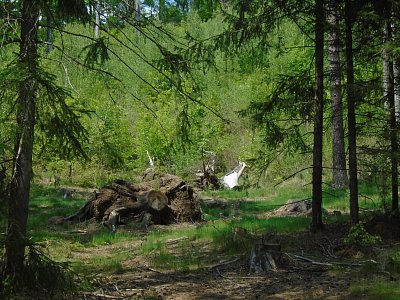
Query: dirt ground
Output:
(305,272)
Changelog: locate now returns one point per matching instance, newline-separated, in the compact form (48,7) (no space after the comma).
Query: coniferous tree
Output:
(351,114)
(390,99)
(317,223)
(339,172)
(26,112)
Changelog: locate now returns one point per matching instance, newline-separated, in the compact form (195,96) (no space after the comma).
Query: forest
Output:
(199,149)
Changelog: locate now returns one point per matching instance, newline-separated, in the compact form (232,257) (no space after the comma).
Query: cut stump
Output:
(265,257)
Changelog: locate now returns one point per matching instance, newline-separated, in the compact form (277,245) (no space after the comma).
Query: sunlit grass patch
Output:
(46,203)
(369,197)
(106,237)
(99,264)
(217,236)
(376,290)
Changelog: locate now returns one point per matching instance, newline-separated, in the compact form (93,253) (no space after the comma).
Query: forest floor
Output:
(313,266)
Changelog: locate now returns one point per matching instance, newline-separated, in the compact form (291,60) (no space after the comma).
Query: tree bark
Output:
(137,15)
(396,74)
(49,33)
(339,173)
(22,165)
(351,116)
(317,223)
(389,97)
(96,10)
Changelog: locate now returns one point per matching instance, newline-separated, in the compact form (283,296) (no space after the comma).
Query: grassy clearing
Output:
(376,290)
(370,196)
(91,249)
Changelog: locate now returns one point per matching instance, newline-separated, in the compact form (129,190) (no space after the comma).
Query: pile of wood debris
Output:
(163,200)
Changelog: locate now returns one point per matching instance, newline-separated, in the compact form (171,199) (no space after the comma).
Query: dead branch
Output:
(224,263)
(102,295)
(327,264)
(239,277)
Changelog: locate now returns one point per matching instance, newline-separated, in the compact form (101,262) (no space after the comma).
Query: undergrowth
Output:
(189,247)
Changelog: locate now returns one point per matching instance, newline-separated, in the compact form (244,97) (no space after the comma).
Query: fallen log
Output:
(213,203)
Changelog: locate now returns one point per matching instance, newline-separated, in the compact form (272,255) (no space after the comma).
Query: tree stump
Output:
(265,257)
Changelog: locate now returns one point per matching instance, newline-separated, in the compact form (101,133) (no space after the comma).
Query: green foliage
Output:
(394,262)
(97,52)
(375,291)
(359,238)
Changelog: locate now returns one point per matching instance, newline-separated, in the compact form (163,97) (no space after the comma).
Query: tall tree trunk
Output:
(96,10)
(339,173)
(161,10)
(318,118)
(49,35)
(22,167)
(137,15)
(351,115)
(396,75)
(389,96)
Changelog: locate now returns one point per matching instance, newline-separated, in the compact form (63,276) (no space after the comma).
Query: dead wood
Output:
(329,264)
(239,277)
(223,263)
(213,203)
(121,200)
(265,257)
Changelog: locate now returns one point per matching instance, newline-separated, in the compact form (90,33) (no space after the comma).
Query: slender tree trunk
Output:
(318,118)
(351,115)
(396,75)
(96,10)
(339,173)
(161,10)
(137,15)
(22,167)
(49,36)
(389,96)
(387,66)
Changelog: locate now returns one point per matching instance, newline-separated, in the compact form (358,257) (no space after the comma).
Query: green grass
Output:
(376,290)
(219,234)
(105,237)
(45,203)
(203,244)
(99,264)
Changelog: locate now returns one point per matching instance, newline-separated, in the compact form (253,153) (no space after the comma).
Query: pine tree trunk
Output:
(22,168)
(351,115)
(339,173)
(49,35)
(318,118)
(389,96)
(96,10)
(396,75)
(137,15)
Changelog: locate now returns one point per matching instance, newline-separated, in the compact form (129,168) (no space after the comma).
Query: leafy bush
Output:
(359,238)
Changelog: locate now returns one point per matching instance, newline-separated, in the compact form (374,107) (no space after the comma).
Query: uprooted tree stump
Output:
(164,200)
(265,257)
